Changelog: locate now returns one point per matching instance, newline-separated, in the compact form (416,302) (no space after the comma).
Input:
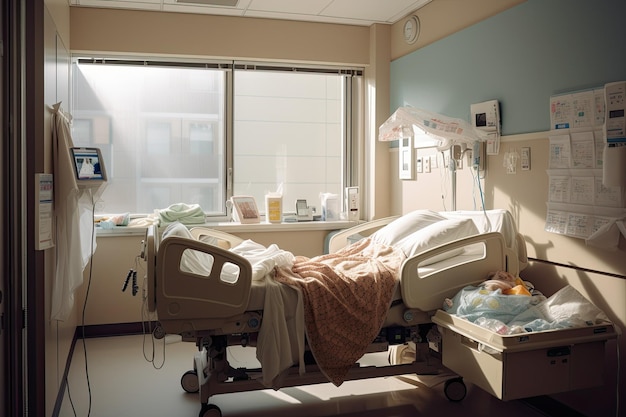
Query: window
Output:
(199,133)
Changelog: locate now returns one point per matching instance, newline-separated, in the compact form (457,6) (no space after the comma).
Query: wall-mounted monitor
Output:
(89,167)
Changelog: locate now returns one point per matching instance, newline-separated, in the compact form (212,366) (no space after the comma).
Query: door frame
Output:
(21,156)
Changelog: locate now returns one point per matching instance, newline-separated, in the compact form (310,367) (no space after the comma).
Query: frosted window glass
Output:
(167,137)
(286,127)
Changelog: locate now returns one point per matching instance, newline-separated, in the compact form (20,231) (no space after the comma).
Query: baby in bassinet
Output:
(508,305)
(495,302)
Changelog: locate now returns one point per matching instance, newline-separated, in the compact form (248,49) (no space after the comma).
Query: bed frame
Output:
(214,315)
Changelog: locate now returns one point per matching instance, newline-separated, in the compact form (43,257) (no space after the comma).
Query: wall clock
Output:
(411,29)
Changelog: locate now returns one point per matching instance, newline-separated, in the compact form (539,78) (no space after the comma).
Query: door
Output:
(4,409)
(12,392)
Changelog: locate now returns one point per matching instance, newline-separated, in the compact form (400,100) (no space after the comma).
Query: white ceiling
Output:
(351,12)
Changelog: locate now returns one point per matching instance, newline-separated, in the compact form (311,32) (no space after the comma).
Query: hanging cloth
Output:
(75,237)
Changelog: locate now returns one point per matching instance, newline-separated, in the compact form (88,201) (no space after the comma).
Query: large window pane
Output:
(161,131)
(289,135)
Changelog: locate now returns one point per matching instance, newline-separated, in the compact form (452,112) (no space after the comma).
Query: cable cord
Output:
(482,201)
(617,383)
(146,324)
(84,342)
(476,182)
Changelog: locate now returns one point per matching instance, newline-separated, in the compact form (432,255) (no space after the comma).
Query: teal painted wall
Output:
(521,57)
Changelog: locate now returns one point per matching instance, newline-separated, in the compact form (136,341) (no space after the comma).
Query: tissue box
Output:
(330,207)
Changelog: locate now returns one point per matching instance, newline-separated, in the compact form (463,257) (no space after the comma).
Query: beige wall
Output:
(180,34)
(59,11)
(377,198)
(106,303)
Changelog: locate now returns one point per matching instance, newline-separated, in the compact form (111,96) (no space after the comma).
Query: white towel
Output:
(262,259)
(75,239)
(280,343)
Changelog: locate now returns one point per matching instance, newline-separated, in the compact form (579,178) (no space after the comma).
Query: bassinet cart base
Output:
(558,360)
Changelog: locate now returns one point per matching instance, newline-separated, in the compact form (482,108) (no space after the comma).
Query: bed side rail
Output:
(183,295)
(425,288)
(222,239)
(341,238)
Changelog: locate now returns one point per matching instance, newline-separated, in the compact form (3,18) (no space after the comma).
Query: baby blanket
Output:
(520,313)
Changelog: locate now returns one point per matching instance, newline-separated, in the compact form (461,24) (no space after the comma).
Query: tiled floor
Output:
(124,383)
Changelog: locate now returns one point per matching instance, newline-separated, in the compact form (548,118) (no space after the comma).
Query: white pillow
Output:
(192,260)
(436,234)
(403,226)
(177,229)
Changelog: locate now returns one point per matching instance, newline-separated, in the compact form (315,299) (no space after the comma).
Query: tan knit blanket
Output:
(346,297)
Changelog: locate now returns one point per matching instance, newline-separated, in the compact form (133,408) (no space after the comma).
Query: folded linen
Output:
(181,212)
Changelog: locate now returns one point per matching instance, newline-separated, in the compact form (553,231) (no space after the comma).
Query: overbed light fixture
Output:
(428,129)
(416,128)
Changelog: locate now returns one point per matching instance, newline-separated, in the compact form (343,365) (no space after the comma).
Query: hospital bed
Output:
(217,309)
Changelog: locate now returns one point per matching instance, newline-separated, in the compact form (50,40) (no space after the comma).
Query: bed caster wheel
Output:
(158,332)
(210,410)
(455,389)
(189,382)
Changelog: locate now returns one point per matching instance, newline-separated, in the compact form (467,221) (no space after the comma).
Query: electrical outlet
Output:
(433,161)
(426,164)
(525,159)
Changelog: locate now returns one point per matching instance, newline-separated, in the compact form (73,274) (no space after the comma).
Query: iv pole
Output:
(452,167)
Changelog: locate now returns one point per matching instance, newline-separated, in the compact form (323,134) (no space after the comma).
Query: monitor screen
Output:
(88,166)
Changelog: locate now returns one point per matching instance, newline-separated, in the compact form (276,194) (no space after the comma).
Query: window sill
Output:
(281,227)
(232,227)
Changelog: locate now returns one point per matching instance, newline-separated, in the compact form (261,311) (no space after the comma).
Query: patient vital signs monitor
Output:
(89,168)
